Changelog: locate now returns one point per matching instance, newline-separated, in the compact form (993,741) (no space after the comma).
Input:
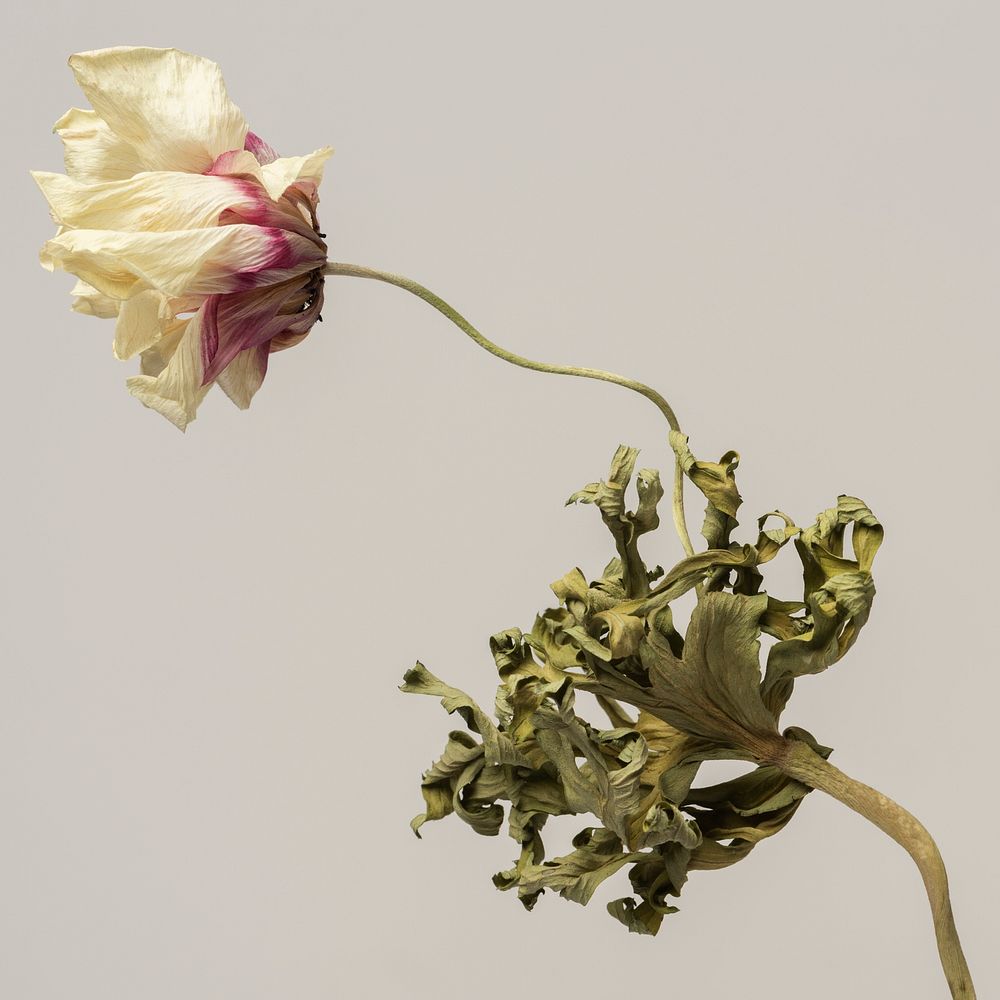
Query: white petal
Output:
(243,376)
(91,151)
(141,322)
(188,262)
(279,175)
(176,391)
(160,201)
(170,106)
(91,302)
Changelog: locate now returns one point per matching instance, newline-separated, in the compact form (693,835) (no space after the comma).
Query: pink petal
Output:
(262,150)
(238,321)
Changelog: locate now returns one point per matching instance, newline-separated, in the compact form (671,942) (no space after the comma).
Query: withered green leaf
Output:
(577,876)
(498,746)
(626,526)
(609,786)
(660,874)
(625,632)
(609,496)
(713,690)
(455,783)
(650,490)
(838,596)
(716,480)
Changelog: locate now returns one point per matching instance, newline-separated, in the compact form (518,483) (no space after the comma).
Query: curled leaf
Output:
(576,876)
(838,595)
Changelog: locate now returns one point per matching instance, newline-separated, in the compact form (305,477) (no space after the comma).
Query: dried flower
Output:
(184,226)
(204,243)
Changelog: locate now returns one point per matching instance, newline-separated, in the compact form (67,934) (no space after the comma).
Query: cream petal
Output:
(188,262)
(170,106)
(160,201)
(141,322)
(91,151)
(89,301)
(154,359)
(243,376)
(280,174)
(176,391)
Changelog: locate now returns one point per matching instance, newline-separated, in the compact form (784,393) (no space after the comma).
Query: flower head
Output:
(184,226)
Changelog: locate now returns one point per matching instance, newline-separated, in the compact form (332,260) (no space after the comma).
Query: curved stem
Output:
(801,762)
(357,271)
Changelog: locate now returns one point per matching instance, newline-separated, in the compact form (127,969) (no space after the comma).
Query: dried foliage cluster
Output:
(672,701)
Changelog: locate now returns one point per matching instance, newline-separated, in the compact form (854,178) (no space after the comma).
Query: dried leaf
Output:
(452,784)
(650,490)
(625,632)
(713,691)
(498,747)
(838,593)
(578,875)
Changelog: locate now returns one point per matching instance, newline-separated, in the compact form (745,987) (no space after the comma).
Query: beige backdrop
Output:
(783,215)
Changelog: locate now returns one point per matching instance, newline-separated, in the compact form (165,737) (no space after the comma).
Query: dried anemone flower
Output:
(183,225)
(204,244)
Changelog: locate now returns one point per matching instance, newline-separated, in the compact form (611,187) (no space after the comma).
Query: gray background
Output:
(783,215)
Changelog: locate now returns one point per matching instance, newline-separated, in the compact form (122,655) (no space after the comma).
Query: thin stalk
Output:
(801,762)
(407,284)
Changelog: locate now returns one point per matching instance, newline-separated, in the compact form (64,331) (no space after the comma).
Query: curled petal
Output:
(279,175)
(235,163)
(142,320)
(170,106)
(176,390)
(186,262)
(91,151)
(89,301)
(154,359)
(276,174)
(294,212)
(263,152)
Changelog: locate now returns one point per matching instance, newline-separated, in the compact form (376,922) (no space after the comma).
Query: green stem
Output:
(357,271)
(801,762)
